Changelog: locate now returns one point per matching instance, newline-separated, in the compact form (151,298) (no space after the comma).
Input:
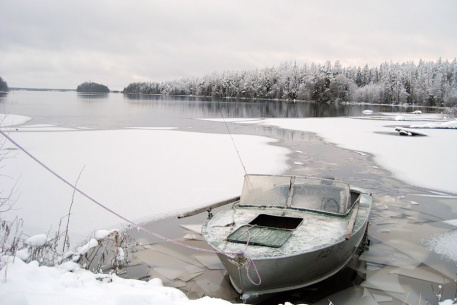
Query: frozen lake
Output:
(152,158)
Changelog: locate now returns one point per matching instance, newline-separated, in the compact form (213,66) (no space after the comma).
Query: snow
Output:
(8,120)
(140,174)
(102,234)
(447,302)
(452,222)
(84,248)
(68,284)
(423,161)
(450,124)
(36,240)
(444,244)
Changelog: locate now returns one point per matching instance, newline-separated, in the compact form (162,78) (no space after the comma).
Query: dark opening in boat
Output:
(280,222)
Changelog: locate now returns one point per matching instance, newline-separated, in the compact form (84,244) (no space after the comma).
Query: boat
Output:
(288,232)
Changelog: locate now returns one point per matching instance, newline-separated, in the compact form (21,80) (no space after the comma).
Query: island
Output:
(91,87)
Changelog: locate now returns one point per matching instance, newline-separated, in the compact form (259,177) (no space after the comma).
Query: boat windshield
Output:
(324,195)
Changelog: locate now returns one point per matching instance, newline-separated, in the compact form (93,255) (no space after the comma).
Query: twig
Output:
(65,241)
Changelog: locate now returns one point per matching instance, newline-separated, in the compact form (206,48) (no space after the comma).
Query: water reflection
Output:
(119,110)
(244,108)
(92,96)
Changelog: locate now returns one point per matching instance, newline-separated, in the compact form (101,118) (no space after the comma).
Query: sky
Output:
(60,44)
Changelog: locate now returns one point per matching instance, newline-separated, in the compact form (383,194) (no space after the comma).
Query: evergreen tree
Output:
(428,83)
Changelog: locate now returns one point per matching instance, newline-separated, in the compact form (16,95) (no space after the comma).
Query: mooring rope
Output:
(136,225)
(250,260)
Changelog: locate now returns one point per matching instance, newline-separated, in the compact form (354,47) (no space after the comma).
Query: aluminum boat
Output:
(288,232)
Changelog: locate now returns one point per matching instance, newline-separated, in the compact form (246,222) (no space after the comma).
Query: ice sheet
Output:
(372,136)
(211,262)
(423,273)
(383,280)
(384,254)
(408,238)
(140,174)
(353,296)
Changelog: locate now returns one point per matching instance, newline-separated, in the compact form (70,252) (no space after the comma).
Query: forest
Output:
(428,83)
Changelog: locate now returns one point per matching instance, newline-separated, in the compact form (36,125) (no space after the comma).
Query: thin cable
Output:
(234,145)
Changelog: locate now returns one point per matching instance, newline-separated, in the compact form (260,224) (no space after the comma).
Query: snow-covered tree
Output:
(428,83)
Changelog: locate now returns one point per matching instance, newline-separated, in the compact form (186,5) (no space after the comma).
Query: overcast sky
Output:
(62,43)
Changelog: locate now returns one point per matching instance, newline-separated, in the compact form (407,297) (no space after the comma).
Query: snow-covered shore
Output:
(29,284)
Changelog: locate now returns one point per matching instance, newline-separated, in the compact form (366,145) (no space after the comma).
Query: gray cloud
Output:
(59,44)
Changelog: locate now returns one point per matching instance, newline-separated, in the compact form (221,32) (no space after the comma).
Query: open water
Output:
(115,110)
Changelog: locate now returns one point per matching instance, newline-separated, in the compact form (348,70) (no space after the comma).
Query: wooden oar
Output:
(209,207)
(351,223)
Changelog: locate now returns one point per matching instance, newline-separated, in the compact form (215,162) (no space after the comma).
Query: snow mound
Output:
(36,240)
(102,234)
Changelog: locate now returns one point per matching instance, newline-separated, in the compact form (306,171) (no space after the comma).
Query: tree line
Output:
(3,85)
(428,83)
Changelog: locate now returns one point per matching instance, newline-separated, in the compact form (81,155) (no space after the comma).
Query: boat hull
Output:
(272,275)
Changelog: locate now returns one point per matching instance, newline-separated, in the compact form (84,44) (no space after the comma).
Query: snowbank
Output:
(70,285)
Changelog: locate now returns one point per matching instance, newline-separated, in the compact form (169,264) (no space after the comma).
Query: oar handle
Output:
(209,207)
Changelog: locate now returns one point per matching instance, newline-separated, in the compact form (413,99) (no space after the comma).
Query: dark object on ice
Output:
(408,132)
(288,232)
